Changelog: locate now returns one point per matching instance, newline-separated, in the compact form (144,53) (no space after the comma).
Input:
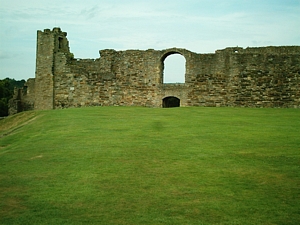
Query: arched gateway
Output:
(171,101)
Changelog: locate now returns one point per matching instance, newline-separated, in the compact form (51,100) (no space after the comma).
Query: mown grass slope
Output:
(131,165)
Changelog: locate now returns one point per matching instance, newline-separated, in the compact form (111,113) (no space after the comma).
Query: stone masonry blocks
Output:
(251,77)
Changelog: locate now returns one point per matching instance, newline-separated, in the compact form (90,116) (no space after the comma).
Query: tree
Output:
(7,86)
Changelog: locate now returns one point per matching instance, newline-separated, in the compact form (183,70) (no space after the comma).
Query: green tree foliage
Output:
(7,86)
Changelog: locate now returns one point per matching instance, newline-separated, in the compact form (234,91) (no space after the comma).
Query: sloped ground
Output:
(12,123)
(131,165)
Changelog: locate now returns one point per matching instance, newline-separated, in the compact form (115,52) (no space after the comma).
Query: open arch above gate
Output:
(174,69)
(175,72)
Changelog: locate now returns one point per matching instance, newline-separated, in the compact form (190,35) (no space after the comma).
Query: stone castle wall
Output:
(251,77)
(23,99)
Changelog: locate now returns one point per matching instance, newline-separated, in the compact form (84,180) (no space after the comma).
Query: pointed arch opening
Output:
(174,68)
(170,102)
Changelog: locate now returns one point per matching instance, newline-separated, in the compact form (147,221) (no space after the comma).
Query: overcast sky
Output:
(201,26)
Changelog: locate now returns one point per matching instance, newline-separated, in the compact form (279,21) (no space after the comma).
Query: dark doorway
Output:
(169,102)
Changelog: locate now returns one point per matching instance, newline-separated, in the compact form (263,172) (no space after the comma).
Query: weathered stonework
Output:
(23,99)
(251,77)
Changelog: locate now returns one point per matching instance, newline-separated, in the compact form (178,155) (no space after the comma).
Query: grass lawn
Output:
(134,165)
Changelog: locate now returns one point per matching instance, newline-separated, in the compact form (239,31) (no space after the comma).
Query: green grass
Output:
(131,165)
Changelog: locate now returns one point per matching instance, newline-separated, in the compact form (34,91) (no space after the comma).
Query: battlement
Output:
(55,30)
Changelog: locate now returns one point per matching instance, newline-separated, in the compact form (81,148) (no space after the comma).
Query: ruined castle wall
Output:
(254,77)
(268,80)
(116,78)
(23,98)
(231,77)
(28,95)
(125,78)
(251,77)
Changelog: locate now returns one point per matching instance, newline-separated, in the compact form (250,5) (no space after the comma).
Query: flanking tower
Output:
(49,44)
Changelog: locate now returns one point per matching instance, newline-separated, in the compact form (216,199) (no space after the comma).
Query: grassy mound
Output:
(131,165)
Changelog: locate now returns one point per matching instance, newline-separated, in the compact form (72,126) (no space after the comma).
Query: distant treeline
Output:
(7,86)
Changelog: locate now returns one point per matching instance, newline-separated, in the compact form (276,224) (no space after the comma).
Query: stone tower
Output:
(49,45)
